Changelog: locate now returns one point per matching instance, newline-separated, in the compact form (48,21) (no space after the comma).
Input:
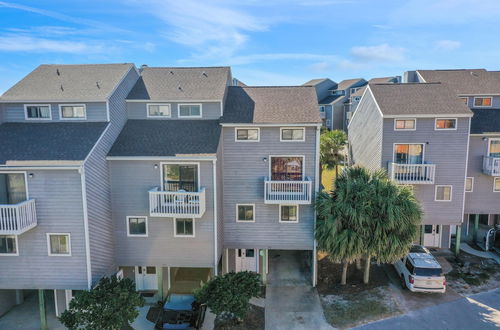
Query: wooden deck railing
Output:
(16,219)
(293,192)
(176,203)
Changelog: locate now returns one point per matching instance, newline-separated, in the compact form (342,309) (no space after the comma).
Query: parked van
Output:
(420,271)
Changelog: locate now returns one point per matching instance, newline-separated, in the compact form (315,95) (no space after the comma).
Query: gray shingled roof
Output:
(58,82)
(181,84)
(485,121)
(287,105)
(466,81)
(167,138)
(345,84)
(314,82)
(418,99)
(359,92)
(330,99)
(48,141)
(383,80)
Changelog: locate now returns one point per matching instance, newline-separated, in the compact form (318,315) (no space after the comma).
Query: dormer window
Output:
(189,110)
(72,111)
(158,110)
(483,101)
(446,124)
(404,124)
(37,111)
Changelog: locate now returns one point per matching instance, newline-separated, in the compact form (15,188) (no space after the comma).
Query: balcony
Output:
(176,204)
(412,173)
(283,192)
(16,219)
(491,166)
(322,114)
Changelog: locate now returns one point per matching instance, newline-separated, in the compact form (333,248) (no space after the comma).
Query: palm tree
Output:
(332,144)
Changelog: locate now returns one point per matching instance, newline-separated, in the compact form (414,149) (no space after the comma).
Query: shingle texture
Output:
(467,81)
(181,84)
(485,121)
(383,80)
(287,105)
(48,141)
(56,82)
(167,138)
(345,84)
(330,99)
(418,99)
(314,82)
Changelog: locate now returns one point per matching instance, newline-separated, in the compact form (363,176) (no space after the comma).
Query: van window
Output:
(428,271)
(409,266)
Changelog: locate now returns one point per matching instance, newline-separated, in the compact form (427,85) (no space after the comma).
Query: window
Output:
(245,213)
(8,245)
(247,134)
(409,153)
(184,227)
(12,188)
(158,110)
(465,99)
(405,124)
(178,177)
(443,194)
(357,98)
(37,111)
(59,244)
(137,226)
(494,148)
(354,89)
(482,101)
(409,265)
(287,168)
(321,108)
(190,110)
(446,124)
(289,213)
(496,185)
(469,184)
(328,122)
(292,134)
(74,111)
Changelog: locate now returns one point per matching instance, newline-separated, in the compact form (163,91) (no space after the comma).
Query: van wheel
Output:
(403,282)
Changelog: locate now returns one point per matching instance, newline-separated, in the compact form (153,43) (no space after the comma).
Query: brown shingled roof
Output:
(466,81)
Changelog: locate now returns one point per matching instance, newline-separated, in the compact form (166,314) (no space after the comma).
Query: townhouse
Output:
(480,91)
(419,133)
(164,175)
(57,125)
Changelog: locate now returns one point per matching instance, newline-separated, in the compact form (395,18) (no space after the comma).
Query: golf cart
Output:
(181,311)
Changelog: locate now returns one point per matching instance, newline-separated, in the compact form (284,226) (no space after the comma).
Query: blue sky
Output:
(266,42)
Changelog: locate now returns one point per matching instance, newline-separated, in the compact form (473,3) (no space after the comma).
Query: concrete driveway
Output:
(291,301)
(479,311)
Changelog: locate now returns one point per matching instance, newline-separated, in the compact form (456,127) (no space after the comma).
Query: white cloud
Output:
(24,43)
(447,45)
(321,67)
(381,53)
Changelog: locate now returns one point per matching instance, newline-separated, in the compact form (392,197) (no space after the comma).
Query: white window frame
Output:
(472,184)
(328,122)
(59,254)
(443,185)
(445,129)
(37,105)
(294,128)
(25,180)
(406,129)
(72,105)
(288,156)
(158,117)
(179,110)
(322,108)
(467,98)
(180,163)
(237,213)
(238,128)
(489,144)
(279,212)
(482,106)
(394,151)
(17,248)
(184,236)
(128,227)
(494,180)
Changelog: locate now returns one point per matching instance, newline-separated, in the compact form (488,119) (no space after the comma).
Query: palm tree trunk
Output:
(343,281)
(321,177)
(336,171)
(358,264)
(366,275)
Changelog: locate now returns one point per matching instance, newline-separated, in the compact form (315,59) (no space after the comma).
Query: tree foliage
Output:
(111,305)
(366,215)
(229,294)
(332,144)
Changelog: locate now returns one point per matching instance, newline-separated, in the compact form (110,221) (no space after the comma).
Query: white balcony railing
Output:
(16,219)
(293,192)
(322,114)
(176,203)
(412,173)
(491,166)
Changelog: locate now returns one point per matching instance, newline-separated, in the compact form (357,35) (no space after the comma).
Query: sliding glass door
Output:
(178,177)
(287,168)
(12,188)
(409,153)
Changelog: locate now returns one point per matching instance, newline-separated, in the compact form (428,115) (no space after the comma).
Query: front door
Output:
(145,278)
(246,260)
(432,235)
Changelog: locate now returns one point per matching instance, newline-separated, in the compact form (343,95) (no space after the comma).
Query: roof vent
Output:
(179,87)
(97,84)
(171,72)
(472,73)
(58,73)
(142,67)
(62,88)
(205,74)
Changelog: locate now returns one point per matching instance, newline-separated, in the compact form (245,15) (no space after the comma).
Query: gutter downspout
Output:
(86,227)
(316,189)
(214,168)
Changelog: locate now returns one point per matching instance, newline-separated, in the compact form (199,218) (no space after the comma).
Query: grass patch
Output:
(348,310)
(327,178)
(255,319)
